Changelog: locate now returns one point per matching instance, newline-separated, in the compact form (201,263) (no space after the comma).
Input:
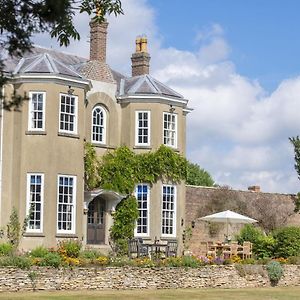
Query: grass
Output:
(277,293)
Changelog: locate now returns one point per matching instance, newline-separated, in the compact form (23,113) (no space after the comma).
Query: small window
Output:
(98,125)
(35,199)
(142,135)
(169,210)
(66,201)
(142,194)
(68,114)
(36,109)
(170,129)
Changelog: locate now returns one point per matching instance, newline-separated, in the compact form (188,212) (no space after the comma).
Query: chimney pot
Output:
(254,188)
(141,58)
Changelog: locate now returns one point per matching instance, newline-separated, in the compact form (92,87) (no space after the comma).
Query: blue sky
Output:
(263,35)
(237,63)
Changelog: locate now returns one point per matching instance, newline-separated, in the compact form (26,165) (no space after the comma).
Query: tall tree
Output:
(198,176)
(296,143)
(21,19)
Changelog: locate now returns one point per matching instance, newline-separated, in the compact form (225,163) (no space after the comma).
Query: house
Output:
(73,100)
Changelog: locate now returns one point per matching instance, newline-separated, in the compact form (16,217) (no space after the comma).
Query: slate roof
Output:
(44,63)
(43,60)
(145,85)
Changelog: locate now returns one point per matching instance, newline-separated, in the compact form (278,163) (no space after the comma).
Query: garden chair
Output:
(136,248)
(171,249)
(232,250)
(210,250)
(247,250)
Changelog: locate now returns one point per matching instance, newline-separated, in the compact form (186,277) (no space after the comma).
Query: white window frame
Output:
(75,114)
(28,202)
(174,211)
(31,110)
(73,221)
(104,125)
(137,143)
(170,131)
(136,233)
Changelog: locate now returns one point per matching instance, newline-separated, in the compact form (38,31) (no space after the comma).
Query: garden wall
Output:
(12,279)
(271,209)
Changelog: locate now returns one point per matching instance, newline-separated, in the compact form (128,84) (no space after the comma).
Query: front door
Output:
(96,222)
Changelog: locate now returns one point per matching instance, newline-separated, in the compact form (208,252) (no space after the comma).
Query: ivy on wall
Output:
(120,171)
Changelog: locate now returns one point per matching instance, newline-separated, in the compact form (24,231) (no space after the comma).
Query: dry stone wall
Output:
(12,279)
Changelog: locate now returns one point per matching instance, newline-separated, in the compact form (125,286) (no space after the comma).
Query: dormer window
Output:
(68,113)
(170,130)
(98,125)
(36,109)
(142,134)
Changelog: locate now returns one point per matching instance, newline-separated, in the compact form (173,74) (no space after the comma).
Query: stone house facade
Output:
(73,100)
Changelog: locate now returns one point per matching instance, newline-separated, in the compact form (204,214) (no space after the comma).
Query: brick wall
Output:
(271,209)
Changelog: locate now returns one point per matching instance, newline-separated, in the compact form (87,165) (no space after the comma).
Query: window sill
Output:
(33,234)
(66,235)
(142,147)
(70,135)
(105,146)
(37,132)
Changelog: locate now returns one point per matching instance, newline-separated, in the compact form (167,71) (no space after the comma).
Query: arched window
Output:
(98,125)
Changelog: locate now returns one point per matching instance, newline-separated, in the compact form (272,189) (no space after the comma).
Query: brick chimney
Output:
(141,58)
(254,188)
(98,41)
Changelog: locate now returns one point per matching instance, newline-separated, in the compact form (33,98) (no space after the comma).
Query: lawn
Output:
(277,293)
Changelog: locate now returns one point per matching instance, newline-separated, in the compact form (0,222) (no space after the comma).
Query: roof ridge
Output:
(35,62)
(167,87)
(69,67)
(151,81)
(51,62)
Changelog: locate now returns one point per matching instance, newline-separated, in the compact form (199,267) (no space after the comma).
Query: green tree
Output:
(198,176)
(20,20)
(296,143)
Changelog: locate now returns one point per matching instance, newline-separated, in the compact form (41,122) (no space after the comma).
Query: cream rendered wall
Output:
(48,153)
(128,138)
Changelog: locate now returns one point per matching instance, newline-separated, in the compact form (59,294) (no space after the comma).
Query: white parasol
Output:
(228,217)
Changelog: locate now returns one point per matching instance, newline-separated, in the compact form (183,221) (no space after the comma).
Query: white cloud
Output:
(237,131)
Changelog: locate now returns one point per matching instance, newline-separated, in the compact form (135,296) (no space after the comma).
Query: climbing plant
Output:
(120,171)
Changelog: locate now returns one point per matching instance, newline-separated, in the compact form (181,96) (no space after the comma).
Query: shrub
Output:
(264,247)
(250,233)
(90,254)
(190,261)
(16,261)
(6,249)
(39,251)
(275,271)
(287,242)
(51,259)
(69,248)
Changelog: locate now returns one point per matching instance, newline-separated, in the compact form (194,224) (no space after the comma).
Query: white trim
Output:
(175,211)
(75,114)
(30,127)
(103,142)
(153,98)
(137,127)
(41,76)
(176,129)
(147,234)
(28,201)
(73,222)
